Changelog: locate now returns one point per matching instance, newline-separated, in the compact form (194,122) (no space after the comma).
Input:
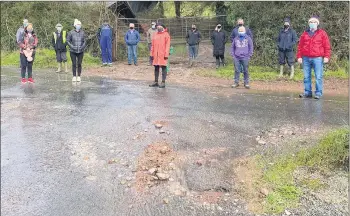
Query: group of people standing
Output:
(313,49)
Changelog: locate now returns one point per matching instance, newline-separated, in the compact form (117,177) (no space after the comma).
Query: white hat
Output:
(314,19)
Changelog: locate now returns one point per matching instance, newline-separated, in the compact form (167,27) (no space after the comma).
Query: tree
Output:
(177,8)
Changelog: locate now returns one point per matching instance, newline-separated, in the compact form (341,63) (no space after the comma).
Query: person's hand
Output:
(165,58)
(325,60)
(300,60)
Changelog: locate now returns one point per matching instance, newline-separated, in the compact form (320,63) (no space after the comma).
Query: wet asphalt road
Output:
(57,138)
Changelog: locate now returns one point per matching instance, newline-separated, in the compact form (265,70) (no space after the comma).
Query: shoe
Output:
(104,65)
(162,85)
(74,79)
(155,84)
(30,80)
(78,79)
(58,70)
(135,64)
(317,97)
(224,65)
(129,63)
(235,85)
(247,86)
(305,96)
(23,80)
(217,66)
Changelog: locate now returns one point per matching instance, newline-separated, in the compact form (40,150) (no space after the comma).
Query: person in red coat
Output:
(160,53)
(314,50)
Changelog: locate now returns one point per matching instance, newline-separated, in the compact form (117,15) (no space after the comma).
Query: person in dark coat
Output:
(287,38)
(219,38)
(234,33)
(59,43)
(193,38)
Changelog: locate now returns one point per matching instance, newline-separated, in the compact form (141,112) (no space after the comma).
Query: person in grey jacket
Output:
(193,38)
(287,38)
(77,43)
(20,33)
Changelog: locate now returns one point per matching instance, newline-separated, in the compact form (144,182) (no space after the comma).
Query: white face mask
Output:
(59,29)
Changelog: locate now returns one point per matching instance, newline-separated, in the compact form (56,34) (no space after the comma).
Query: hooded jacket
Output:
(160,48)
(314,45)
(242,49)
(76,41)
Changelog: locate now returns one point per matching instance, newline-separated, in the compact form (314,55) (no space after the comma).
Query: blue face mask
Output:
(241,34)
(78,27)
(313,25)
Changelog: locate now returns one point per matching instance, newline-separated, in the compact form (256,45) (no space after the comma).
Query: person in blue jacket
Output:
(132,38)
(105,37)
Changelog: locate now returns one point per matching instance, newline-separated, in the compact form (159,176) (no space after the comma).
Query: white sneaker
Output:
(78,79)
(74,79)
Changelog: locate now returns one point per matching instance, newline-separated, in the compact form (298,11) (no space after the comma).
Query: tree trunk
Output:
(161,8)
(177,8)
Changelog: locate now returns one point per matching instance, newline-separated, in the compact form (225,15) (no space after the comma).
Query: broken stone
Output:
(161,131)
(122,182)
(162,176)
(287,212)
(164,150)
(165,201)
(129,185)
(264,191)
(257,138)
(146,130)
(199,162)
(128,178)
(154,177)
(168,132)
(219,208)
(158,126)
(261,142)
(152,171)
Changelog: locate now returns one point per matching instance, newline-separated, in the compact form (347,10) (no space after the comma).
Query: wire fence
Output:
(177,28)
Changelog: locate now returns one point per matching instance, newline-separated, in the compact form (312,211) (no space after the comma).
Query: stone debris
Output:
(158,126)
(162,176)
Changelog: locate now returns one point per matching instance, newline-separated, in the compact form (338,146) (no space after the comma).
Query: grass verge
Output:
(45,58)
(284,191)
(267,74)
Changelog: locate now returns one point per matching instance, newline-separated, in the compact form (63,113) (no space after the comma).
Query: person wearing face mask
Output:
(193,38)
(314,50)
(132,38)
(28,44)
(234,33)
(105,36)
(287,38)
(150,34)
(76,41)
(219,39)
(20,33)
(160,53)
(59,43)
(241,51)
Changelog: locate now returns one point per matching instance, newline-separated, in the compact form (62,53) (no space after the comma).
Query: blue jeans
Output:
(132,53)
(193,51)
(241,65)
(317,64)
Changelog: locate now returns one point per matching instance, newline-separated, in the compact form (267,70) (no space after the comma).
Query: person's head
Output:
(314,21)
(25,22)
(29,28)
(241,31)
(160,27)
(286,23)
(240,22)
(59,27)
(218,27)
(194,27)
(131,26)
(105,22)
(77,24)
(153,24)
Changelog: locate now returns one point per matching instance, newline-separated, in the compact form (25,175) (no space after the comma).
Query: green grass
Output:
(331,152)
(45,58)
(267,74)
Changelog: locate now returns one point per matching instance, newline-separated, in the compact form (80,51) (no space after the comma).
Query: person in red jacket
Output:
(160,53)
(314,50)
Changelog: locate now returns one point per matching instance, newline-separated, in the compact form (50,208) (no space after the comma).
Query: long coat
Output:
(160,48)
(219,39)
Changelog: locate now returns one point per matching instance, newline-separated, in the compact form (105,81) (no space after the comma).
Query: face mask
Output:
(160,29)
(193,28)
(153,26)
(25,24)
(219,27)
(313,25)
(241,34)
(78,27)
(240,24)
(131,28)
(59,29)
(286,26)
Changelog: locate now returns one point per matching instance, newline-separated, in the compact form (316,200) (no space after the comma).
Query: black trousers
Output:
(218,57)
(26,66)
(284,55)
(156,73)
(77,59)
